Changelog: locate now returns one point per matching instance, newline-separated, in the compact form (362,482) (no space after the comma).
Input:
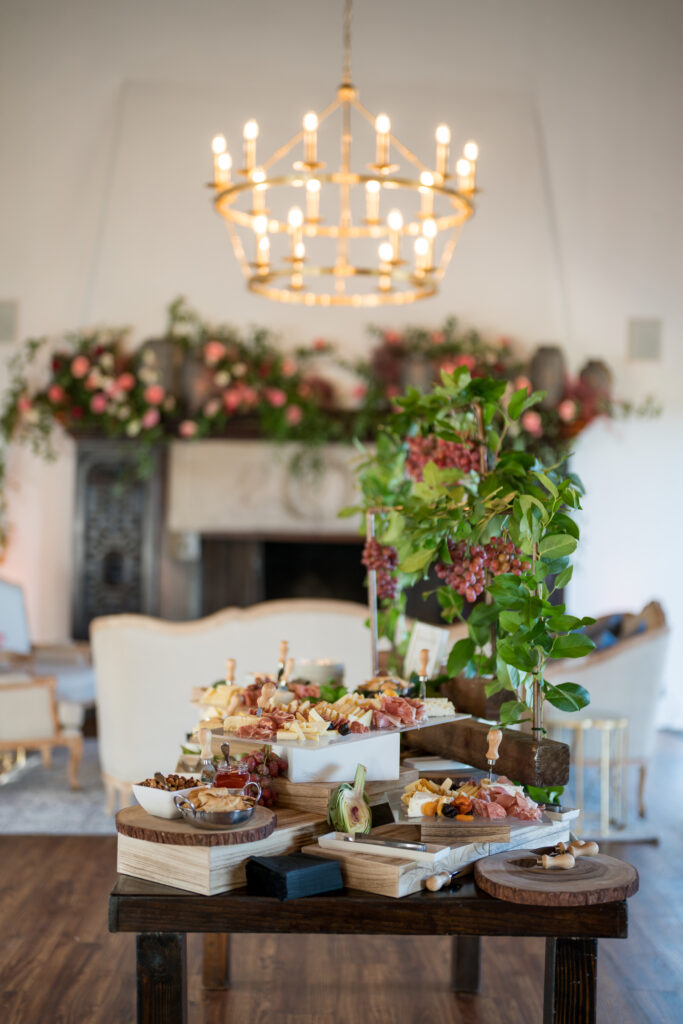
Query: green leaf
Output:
(517,654)
(547,483)
(563,623)
(511,712)
(417,560)
(573,645)
(563,578)
(510,621)
(545,795)
(493,686)
(516,403)
(483,615)
(567,696)
(461,652)
(557,545)
(350,510)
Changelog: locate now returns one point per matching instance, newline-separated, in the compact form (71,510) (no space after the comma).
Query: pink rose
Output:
(98,403)
(275,397)
(213,352)
(250,395)
(304,390)
(522,382)
(288,367)
(154,394)
(150,419)
(188,428)
(320,344)
(360,391)
(79,367)
(125,382)
(532,423)
(438,337)
(392,337)
(92,382)
(231,400)
(56,393)
(23,403)
(567,410)
(465,360)
(294,415)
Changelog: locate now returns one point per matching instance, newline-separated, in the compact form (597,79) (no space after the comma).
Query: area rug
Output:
(37,800)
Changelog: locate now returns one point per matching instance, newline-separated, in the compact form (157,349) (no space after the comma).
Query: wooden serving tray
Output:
(513,876)
(212,869)
(138,824)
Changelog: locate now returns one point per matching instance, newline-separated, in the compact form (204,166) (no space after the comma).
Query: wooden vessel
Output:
(136,823)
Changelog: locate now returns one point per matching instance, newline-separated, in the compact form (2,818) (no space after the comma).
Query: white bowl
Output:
(159,802)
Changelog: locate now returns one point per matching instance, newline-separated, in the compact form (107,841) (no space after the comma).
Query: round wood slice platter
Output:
(137,823)
(513,876)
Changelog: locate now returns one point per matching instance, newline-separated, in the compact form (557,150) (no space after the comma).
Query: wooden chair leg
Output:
(46,756)
(216,961)
(75,756)
(642,777)
(466,963)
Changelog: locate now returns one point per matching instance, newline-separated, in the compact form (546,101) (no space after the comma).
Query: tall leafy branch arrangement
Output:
(496,526)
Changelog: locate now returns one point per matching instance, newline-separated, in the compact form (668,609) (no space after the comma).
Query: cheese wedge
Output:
(438,707)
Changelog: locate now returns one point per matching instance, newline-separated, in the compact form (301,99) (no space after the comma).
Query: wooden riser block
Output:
(212,869)
(315,796)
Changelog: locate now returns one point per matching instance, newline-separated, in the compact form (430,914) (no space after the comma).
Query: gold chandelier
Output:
(345,242)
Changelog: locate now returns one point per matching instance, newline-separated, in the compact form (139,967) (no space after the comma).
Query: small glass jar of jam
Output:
(231,775)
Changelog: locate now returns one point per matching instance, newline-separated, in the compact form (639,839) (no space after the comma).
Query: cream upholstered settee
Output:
(146,669)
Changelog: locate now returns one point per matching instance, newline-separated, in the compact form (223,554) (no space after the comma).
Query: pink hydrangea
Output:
(56,393)
(532,422)
(150,419)
(275,397)
(188,428)
(294,415)
(213,352)
(567,410)
(125,382)
(98,403)
(288,367)
(154,394)
(79,366)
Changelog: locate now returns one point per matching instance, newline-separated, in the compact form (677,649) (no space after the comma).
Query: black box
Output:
(293,875)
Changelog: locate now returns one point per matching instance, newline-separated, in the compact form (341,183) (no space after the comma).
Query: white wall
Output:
(107,109)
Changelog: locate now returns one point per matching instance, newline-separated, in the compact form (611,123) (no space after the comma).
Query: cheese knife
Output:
(393,843)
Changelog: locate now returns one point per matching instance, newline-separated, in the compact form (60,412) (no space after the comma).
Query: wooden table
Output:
(162,917)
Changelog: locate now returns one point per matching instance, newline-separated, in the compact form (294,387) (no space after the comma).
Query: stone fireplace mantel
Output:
(254,488)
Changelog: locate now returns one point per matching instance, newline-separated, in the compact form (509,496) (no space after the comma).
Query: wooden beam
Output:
(469,695)
(522,757)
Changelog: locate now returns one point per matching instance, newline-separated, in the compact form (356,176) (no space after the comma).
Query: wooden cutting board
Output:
(315,796)
(138,824)
(513,876)
(480,830)
(213,869)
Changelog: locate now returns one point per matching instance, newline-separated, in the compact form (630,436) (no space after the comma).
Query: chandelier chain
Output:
(346,72)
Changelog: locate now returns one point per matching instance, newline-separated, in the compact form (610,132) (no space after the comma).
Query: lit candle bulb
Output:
(443,141)
(421,251)
(465,171)
(382,127)
(386,258)
(310,137)
(223,167)
(250,135)
(258,176)
(429,230)
(471,152)
(426,181)
(395,222)
(262,252)
(299,251)
(295,219)
(312,199)
(218,147)
(372,190)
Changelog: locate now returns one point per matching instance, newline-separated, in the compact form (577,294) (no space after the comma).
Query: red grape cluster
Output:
(444,454)
(383,559)
(467,574)
(503,556)
(264,765)
(474,564)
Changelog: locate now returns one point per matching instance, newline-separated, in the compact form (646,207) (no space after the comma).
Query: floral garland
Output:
(218,383)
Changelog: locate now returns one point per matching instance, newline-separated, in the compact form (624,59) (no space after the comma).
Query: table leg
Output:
(162,978)
(216,960)
(465,963)
(571,971)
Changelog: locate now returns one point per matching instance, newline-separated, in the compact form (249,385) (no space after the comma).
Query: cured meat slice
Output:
(488,809)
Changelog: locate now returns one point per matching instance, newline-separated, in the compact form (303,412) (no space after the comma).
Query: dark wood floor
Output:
(59,965)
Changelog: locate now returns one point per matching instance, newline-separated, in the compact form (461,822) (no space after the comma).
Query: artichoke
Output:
(348,809)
